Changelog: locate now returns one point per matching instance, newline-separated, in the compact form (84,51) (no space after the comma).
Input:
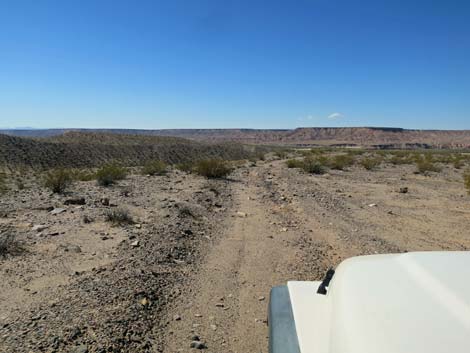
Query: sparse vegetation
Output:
(110,173)
(425,165)
(58,180)
(9,244)
(466,179)
(313,166)
(294,163)
(83,175)
(154,168)
(187,167)
(119,216)
(341,162)
(213,168)
(371,163)
(3,183)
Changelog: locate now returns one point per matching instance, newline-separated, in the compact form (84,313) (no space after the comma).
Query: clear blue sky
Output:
(223,63)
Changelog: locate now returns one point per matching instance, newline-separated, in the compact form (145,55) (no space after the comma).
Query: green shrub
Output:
(82,175)
(213,168)
(154,168)
(3,183)
(425,165)
(282,154)
(371,163)
(466,179)
(119,216)
(341,162)
(58,180)
(294,163)
(110,173)
(313,166)
(187,167)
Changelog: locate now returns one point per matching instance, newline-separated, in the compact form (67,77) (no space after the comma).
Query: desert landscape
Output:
(162,244)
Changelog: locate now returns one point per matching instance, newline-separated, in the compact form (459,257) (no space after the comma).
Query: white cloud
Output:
(335,116)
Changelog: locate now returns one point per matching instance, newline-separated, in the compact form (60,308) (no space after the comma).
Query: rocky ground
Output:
(194,271)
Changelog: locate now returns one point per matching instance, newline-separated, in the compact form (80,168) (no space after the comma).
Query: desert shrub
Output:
(371,163)
(119,216)
(399,160)
(3,183)
(425,165)
(154,168)
(458,162)
(282,154)
(313,166)
(187,167)
(110,173)
(341,162)
(58,180)
(9,245)
(294,163)
(466,179)
(213,168)
(83,175)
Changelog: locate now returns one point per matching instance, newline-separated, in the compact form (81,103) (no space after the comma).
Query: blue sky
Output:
(226,64)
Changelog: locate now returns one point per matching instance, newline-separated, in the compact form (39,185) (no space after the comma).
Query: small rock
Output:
(261,298)
(198,345)
(39,227)
(177,318)
(195,338)
(57,211)
(404,190)
(138,226)
(283,229)
(241,214)
(213,327)
(80,349)
(220,305)
(135,244)
(104,201)
(373,205)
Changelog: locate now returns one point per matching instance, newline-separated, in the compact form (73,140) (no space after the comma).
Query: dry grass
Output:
(119,216)
(371,163)
(9,245)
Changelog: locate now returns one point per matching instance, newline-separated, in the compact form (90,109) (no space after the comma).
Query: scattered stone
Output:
(87,219)
(373,205)
(104,201)
(177,318)
(220,305)
(404,190)
(241,214)
(283,229)
(57,211)
(261,298)
(138,226)
(195,338)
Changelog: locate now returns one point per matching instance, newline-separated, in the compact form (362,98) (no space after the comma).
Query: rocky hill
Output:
(357,136)
(78,149)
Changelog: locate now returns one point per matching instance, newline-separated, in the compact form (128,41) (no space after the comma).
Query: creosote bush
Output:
(187,167)
(466,180)
(119,216)
(213,168)
(83,175)
(3,183)
(58,180)
(313,166)
(294,163)
(154,168)
(425,165)
(371,163)
(110,173)
(341,162)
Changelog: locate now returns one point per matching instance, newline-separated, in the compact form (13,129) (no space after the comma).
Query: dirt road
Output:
(286,225)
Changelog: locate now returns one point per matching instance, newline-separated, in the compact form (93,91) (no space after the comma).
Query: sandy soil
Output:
(208,255)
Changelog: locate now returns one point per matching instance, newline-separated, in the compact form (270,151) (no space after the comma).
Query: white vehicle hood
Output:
(413,303)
